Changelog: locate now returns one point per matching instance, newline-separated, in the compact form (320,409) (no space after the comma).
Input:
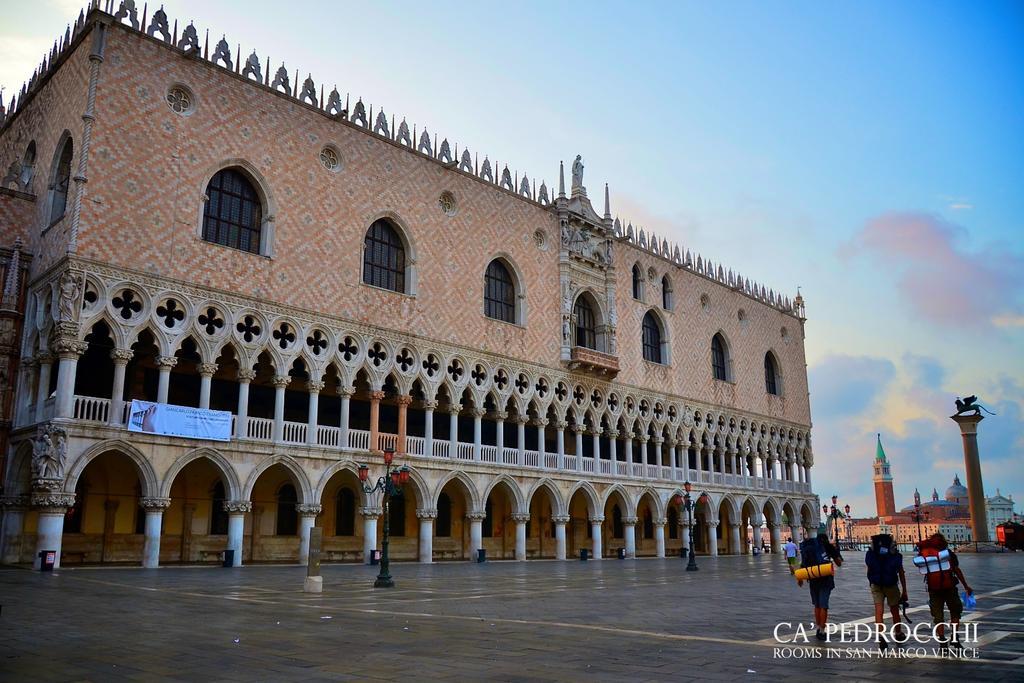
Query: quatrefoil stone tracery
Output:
(127,304)
(249,329)
(316,342)
(170,313)
(284,336)
(211,321)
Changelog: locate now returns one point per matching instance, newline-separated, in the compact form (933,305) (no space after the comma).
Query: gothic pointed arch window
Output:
(720,358)
(487,527)
(772,383)
(218,516)
(28,166)
(499,292)
(653,339)
(638,282)
(586,323)
(443,525)
(287,515)
(666,293)
(617,531)
(60,184)
(345,513)
(648,524)
(384,261)
(673,523)
(233,214)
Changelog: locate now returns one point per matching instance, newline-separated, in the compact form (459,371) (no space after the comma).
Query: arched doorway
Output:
(195,525)
(341,518)
(106,525)
(540,530)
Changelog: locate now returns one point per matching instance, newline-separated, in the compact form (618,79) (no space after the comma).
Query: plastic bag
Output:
(970,602)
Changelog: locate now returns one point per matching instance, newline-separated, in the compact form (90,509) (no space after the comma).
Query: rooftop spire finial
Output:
(561,179)
(607,204)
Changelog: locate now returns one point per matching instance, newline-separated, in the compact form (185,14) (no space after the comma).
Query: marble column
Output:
(478,414)
(476,520)
(426,517)
(375,399)
(520,520)
(236,510)
(629,534)
(307,520)
(499,433)
(597,445)
(370,516)
(68,353)
(154,509)
(560,426)
(428,427)
(735,546)
(975,488)
(595,532)
(672,458)
(13,509)
(712,538)
(45,362)
(776,534)
(795,532)
(313,417)
(560,522)
(657,453)
(613,447)
(245,377)
(51,507)
(453,429)
(280,382)
(686,537)
(345,395)
(403,422)
(643,450)
(25,392)
(659,537)
(164,366)
(541,433)
(206,373)
(629,451)
(120,358)
(521,421)
(578,431)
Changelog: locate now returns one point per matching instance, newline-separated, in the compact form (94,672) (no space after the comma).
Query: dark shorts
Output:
(820,593)
(940,599)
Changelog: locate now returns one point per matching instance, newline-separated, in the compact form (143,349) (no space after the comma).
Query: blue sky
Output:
(871,153)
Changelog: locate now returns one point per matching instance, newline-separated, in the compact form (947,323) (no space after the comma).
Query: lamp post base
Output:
(384,582)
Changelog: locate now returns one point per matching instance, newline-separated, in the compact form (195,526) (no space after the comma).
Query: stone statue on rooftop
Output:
(577,173)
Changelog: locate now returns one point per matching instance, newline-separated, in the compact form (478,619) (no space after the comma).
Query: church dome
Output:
(957,493)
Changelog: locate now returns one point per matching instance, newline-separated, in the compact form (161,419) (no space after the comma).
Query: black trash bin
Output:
(481,555)
(622,553)
(375,556)
(584,554)
(229,558)
(47,558)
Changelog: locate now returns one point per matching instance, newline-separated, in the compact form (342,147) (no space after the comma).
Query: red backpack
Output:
(937,578)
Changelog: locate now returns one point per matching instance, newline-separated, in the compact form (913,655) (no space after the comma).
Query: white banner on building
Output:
(169,420)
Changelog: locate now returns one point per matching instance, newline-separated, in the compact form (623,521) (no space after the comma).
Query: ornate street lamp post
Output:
(688,504)
(848,531)
(835,514)
(390,484)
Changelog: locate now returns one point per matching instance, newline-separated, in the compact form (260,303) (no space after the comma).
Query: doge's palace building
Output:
(188,226)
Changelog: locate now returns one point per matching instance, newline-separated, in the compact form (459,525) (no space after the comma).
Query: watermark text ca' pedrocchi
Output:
(923,633)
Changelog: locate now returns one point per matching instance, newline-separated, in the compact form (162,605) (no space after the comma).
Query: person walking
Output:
(887,580)
(942,573)
(817,552)
(791,555)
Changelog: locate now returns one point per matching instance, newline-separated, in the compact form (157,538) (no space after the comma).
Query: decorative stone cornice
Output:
(612,433)
(426,513)
(376,395)
(477,413)
(598,520)
(561,519)
(454,408)
(476,516)
(561,424)
(711,523)
(315,387)
(630,521)
(403,399)
(167,362)
(660,521)
(522,419)
(52,502)
(520,517)
(154,504)
(540,422)
(281,381)
(307,509)
(346,391)
(237,506)
(207,369)
(47,484)
(430,405)
(371,512)
(69,348)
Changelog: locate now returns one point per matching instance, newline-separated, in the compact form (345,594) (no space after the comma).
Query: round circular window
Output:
(180,100)
(330,159)
(447,203)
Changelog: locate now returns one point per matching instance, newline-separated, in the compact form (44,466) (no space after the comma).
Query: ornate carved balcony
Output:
(588,360)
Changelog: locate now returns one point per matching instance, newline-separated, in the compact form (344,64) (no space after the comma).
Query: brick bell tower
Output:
(884,499)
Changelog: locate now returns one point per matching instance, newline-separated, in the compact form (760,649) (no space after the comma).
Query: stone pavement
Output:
(537,621)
